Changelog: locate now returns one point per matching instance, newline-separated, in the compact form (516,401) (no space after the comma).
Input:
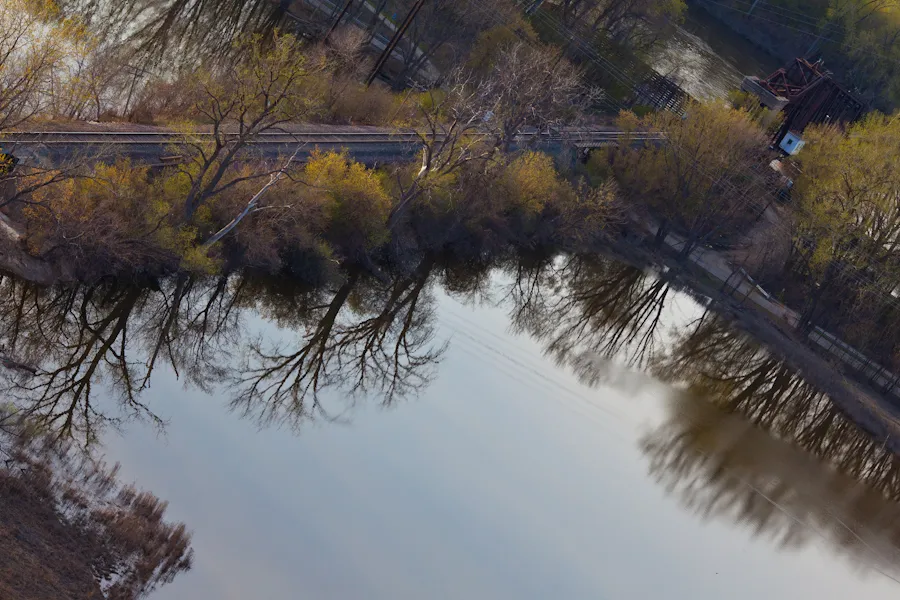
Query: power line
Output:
(781,11)
(395,39)
(812,33)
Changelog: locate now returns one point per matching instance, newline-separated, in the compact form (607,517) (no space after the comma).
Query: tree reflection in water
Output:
(746,438)
(178,30)
(365,337)
(714,361)
(587,311)
(721,465)
(749,440)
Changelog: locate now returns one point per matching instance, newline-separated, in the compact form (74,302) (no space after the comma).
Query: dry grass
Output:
(70,530)
(43,557)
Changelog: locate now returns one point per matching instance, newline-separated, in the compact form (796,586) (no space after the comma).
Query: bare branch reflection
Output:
(589,308)
(715,361)
(720,465)
(177,29)
(368,338)
(75,337)
(108,339)
(746,439)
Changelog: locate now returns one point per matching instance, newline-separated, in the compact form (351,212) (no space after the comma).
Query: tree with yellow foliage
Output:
(699,181)
(551,209)
(531,182)
(355,200)
(847,213)
(118,219)
(848,194)
(236,106)
(331,198)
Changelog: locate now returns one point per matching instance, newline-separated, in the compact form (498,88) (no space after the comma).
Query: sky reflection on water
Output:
(505,478)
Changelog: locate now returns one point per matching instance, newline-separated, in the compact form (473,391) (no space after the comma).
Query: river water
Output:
(531,428)
(707,59)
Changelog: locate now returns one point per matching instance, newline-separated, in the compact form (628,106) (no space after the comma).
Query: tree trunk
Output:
(686,249)
(661,233)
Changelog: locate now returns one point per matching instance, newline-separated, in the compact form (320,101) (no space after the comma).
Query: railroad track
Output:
(48,149)
(330,138)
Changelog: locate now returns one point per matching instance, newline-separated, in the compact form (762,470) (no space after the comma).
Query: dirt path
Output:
(772,324)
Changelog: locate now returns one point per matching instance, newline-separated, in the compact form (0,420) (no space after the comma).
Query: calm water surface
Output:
(707,59)
(568,428)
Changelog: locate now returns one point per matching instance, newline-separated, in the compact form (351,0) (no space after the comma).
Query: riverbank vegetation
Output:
(331,207)
(830,252)
(219,205)
(842,270)
(222,203)
(702,180)
(70,529)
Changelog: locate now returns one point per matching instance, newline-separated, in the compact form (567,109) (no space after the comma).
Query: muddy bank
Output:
(43,557)
(69,528)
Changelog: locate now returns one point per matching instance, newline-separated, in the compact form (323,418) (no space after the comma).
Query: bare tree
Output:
(60,395)
(530,86)
(253,204)
(28,55)
(257,96)
(452,137)
(713,360)
(76,339)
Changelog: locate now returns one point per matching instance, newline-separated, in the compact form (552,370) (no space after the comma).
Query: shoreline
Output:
(869,409)
(866,407)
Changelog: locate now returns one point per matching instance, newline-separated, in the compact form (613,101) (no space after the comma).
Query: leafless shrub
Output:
(70,529)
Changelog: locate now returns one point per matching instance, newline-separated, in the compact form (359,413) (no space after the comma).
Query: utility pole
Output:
(752,6)
(135,72)
(395,39)
(338,20)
